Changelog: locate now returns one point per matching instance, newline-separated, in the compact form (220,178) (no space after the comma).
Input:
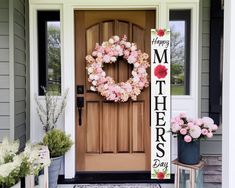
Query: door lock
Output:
(80,105)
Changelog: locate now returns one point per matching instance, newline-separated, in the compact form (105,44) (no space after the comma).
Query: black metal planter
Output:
(188,153)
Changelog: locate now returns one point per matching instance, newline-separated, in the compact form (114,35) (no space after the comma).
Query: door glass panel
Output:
(49,55)
(180,51)
(53,57)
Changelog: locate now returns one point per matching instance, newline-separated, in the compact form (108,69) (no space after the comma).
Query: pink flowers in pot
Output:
(193,129)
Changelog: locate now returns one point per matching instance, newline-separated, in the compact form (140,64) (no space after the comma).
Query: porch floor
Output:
(143,185)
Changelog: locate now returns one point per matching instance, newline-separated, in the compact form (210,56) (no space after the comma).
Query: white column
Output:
(228,155)
(69,82)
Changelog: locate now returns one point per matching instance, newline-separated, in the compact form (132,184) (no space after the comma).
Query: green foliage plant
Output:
(58,142)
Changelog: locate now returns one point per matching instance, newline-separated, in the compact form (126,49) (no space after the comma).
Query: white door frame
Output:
(228,151)
(67,8)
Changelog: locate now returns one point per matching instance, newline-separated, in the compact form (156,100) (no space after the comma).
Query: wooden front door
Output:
(112,136)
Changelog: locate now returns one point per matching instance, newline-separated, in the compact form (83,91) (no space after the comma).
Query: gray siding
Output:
(4,70)
(13,89)
(211,146)
(20,70)
(211,149)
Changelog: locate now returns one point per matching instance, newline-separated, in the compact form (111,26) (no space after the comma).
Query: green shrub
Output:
(58,142)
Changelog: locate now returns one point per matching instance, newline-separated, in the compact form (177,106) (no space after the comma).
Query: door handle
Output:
(80,105)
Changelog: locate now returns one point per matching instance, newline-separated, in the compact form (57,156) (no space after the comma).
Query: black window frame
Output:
(185,15)
(43,16)
(215,68)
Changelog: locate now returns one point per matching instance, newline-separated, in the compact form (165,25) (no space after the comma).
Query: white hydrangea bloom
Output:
(195,131)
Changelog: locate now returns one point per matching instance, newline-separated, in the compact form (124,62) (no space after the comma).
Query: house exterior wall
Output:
(211,149)
(13,66)
(20,69)
(4,70)
(211,146)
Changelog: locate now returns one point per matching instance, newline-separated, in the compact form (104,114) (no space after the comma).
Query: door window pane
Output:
(180,51)
(49,55)
(53,57)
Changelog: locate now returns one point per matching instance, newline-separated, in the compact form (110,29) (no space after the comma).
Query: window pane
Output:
(49,55)
(180,51)
(53,57)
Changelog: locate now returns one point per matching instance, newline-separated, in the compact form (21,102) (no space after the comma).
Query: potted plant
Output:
(58,144)
(189,132)
(57,141)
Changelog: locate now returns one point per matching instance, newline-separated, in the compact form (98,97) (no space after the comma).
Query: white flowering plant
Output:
(191,129)
(15,165)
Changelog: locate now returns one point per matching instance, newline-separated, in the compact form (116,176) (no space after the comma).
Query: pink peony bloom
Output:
(92,88)
(183,131)
(141,70)
(209,135)
(187,138)
(134,53)
(128,44)
(190,124)
(99,54)
(133,47)
(112,97)
(106,58)
(126,53)
(175,127)
(199,122)
(131,59)
(214,127)
(195,131)
(113,59)
(118,48)
(111,41)
(107,50)
(204,132)
(99,70)
(116,38)
(94,53)
(182,115)
(141,84)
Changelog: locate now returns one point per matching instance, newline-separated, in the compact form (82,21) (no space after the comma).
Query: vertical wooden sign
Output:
(160,104)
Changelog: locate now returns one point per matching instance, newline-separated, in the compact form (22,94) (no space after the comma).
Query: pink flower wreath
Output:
(108,52)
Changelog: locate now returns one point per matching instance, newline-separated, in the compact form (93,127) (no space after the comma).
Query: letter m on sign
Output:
(160,58)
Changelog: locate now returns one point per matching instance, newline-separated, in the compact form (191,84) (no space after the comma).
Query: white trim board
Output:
(67,8)
(228,151)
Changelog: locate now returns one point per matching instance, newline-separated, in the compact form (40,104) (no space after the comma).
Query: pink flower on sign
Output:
(187,138)
(160,71)
(183,131)
(160,32)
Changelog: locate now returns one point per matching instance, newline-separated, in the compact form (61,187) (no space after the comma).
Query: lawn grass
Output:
(177,90)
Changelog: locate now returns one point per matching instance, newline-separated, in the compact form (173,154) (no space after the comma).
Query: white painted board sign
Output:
(160,104)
